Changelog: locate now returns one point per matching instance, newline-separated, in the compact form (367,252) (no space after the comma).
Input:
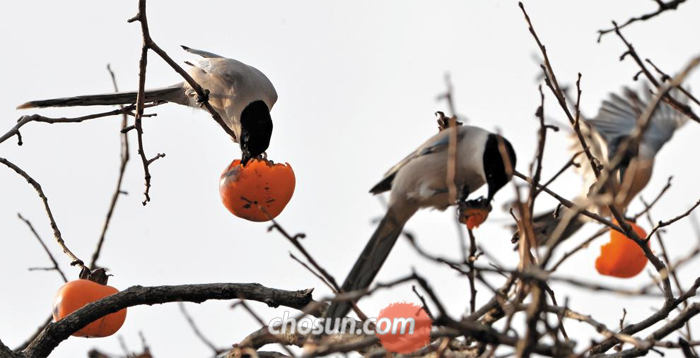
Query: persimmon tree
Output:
(523,290)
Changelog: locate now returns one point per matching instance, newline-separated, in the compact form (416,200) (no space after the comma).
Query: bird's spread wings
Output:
(615,122)
(618,117)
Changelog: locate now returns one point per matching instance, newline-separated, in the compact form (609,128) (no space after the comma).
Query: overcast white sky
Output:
(357,83)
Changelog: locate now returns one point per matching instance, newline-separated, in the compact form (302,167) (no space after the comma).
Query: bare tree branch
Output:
(57,332)
(37,118)
(663,6)
(683,108)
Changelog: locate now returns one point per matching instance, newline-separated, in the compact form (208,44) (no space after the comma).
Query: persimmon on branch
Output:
(522,291)
(59,331)
(603,176)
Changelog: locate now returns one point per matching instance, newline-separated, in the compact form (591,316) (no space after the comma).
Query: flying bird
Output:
(605,134)
(240,93)
(420,181)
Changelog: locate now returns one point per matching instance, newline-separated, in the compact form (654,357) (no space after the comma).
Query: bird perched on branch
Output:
(606,135)
(421,181)
(240,93)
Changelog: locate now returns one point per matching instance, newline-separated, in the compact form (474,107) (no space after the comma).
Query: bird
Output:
(240,93)
(420,181)
(605,134)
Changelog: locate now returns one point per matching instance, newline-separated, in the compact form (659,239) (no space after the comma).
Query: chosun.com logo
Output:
(401,327)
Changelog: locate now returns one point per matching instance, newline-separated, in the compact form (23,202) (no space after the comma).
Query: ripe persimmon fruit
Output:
(474,217)
(75,294)
(257,191)
(473,212)
(622,257)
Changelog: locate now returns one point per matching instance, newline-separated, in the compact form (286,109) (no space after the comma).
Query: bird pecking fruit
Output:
(473,212)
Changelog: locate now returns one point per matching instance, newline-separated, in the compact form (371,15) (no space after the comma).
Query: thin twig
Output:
(295,241)
(122,168)
(140,100)
(673,83)
(671,5)
(46,249)
(56,232)
(472,273)
(37,118)
(196,330)
(662,224)
(321,278)
(672,269)
(261,322)
(665,77)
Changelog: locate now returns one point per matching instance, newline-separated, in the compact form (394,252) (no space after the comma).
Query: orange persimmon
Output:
(473,217)
(76,294)
(622,257)
(258,191)
(473,212)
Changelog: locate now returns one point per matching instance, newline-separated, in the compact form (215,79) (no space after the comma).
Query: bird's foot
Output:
(445,122)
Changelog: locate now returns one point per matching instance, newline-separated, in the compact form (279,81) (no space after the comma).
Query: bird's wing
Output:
(435,144)
(226,77)
(618,117)
(204,54)
(664,122)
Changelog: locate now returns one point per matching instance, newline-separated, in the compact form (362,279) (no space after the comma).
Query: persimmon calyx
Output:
(98,275)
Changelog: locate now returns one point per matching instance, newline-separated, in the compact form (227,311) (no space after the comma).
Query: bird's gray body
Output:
(232,86)
(418,181)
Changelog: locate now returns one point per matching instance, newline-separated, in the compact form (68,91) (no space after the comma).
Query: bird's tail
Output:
(370,261)
(175,94)
(545,224)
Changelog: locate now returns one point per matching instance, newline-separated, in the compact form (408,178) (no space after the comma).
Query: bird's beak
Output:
(245,158)
(491,194)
